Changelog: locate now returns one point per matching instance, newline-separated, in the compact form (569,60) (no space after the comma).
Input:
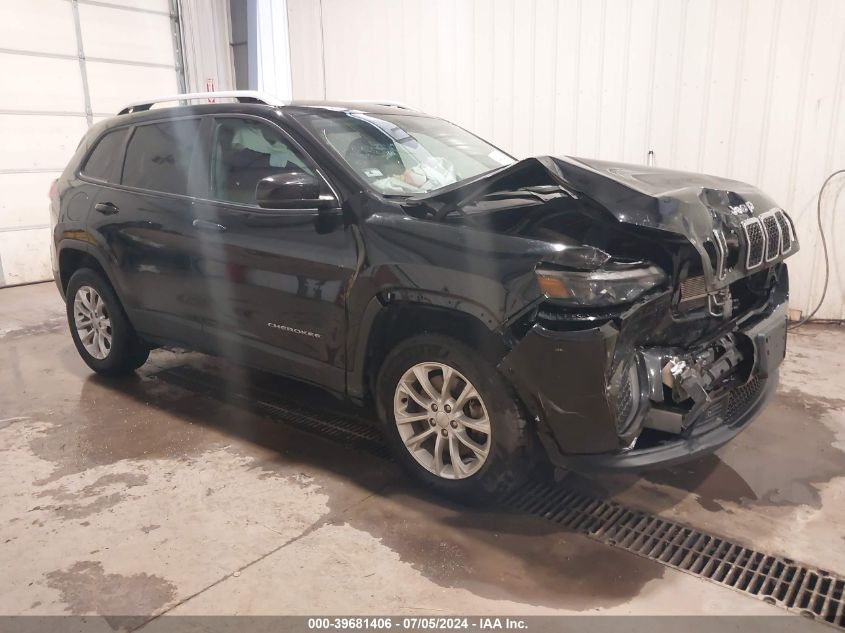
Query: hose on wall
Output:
(824,250)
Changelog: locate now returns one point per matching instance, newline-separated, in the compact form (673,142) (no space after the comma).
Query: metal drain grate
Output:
(774,579)
(344,427)
(777,580)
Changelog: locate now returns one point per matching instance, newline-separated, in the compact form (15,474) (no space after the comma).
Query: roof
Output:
(375,106)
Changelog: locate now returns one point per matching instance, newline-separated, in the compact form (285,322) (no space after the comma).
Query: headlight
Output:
(601,287)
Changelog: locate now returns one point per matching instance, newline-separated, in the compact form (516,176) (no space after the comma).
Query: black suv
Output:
(618,316)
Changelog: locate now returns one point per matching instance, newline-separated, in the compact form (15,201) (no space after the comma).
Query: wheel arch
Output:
(75,255)
(389,321)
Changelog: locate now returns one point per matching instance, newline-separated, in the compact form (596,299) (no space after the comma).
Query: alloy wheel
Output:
(442,420)
(91,318)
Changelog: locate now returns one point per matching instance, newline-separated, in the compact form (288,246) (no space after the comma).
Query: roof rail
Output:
(243,96)
(383,102)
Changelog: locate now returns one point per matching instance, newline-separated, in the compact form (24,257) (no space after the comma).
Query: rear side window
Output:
(158,156)
(101,161)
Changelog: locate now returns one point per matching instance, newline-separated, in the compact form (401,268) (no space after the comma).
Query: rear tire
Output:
(484,441)
(100,329)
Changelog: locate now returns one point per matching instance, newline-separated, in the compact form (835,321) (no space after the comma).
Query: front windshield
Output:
(402,154)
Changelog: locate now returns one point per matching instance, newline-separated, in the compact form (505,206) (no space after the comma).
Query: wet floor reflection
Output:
(780,460)
(492,552)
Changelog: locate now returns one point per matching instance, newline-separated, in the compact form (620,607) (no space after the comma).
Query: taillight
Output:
(54,189)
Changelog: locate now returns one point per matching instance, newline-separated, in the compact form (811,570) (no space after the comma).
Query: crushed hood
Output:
(687,204)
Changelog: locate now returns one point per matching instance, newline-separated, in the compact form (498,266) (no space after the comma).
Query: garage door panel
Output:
(24,199)
(41,83)
(53,20)
(42,109)
(126,35)
(112,86)
(38,141)
(24,256)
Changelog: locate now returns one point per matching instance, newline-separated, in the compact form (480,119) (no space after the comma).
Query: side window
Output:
(158,156)
(243,152)
(101,161)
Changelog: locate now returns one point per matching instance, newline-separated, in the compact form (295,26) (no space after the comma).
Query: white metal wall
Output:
(750,89)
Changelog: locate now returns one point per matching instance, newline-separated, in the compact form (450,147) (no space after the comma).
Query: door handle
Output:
(106,208)
(208,226)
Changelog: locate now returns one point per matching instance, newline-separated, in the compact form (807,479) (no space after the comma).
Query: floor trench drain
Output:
(780,581)
(777,580)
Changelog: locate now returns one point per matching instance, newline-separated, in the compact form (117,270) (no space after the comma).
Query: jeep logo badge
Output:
(746,208)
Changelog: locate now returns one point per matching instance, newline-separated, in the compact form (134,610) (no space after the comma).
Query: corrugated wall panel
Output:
(750,89)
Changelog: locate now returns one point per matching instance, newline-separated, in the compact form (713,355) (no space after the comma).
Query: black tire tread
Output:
(514,455)
(128,352)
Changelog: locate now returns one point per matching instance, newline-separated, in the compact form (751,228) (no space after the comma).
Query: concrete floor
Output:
(136,496)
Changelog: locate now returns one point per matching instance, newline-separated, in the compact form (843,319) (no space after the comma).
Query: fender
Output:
(87,248)
(359,336)
(57,249)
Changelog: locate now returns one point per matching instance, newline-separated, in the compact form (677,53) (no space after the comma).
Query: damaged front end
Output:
(666,345)
(626,394)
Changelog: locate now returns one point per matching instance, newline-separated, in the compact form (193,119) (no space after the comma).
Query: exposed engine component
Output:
(672,370)
(719,303)
(696,376)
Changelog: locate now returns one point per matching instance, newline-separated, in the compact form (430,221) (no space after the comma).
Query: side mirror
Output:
(291,190)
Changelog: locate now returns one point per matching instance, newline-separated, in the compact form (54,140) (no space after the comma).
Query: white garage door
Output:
(65,64)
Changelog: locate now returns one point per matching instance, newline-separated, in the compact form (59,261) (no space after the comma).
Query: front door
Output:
(274,281)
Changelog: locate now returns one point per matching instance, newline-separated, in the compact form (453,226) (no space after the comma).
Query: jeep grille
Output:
(767,236)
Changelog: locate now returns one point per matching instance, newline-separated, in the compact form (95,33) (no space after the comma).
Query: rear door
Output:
(144,226)
(275,280)
(100,170)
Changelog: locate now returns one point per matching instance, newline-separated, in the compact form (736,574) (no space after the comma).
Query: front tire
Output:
(452,421)
(100,329)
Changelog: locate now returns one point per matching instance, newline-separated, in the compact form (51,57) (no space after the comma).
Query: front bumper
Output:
(705,437)
(566,380)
